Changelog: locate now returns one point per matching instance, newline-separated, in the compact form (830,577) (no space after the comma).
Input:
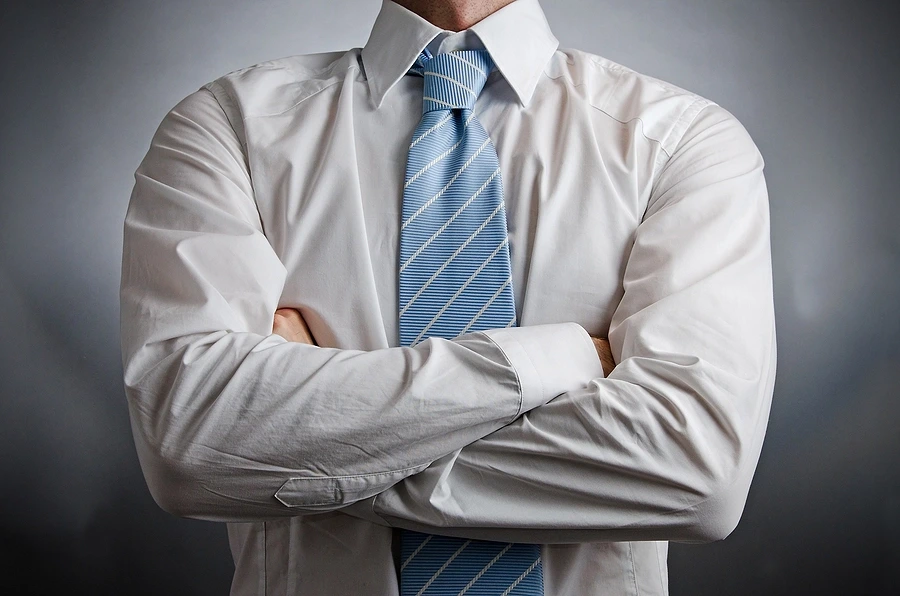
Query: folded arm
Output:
(232,422)
(289,324)
(666,446)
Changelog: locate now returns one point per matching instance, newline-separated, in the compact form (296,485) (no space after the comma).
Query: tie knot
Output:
(453,79)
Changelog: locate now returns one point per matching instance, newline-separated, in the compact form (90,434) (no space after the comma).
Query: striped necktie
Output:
(455,278)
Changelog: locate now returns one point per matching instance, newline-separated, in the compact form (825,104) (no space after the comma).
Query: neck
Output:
(453,15)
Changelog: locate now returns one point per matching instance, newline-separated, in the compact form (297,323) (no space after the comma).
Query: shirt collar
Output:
(517,36)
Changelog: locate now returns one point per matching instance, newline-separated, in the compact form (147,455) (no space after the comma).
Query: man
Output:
(634,210)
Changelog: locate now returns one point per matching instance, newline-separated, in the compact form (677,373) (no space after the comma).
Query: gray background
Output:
(84,85)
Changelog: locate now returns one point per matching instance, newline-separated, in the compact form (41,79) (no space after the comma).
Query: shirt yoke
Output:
(663,110)
(276,86)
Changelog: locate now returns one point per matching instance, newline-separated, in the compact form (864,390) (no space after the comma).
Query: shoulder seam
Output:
(684,121)
(237,124)
(241,137)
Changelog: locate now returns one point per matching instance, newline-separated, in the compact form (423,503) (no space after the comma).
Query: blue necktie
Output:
(454,279)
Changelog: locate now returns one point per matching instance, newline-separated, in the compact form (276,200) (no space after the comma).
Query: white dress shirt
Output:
(636,210)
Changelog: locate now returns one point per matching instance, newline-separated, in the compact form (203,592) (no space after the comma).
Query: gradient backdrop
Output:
(84,85)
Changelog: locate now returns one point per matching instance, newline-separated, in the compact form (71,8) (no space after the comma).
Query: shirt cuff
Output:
(548,359)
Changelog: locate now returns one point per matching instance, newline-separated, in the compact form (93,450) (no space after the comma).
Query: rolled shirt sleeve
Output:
(666,446)
(233,423)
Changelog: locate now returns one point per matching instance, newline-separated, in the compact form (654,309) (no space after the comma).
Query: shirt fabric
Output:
(636,211)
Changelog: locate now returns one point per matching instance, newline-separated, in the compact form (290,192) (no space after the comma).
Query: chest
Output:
(328,178)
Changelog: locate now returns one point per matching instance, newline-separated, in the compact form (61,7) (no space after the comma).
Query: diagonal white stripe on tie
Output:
(443,567)
(449,221)
(452,80)
(462,289)
(442,122)
(437,195)
(484,570)
(415,552)
(519,579)
(486,306)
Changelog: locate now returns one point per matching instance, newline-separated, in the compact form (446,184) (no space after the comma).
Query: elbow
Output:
(182,485)
(717,517)
(171,496)
(173,484)
(722,471)
(184,478)
(721,506)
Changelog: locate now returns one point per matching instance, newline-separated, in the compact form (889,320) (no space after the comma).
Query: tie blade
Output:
(455,278)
